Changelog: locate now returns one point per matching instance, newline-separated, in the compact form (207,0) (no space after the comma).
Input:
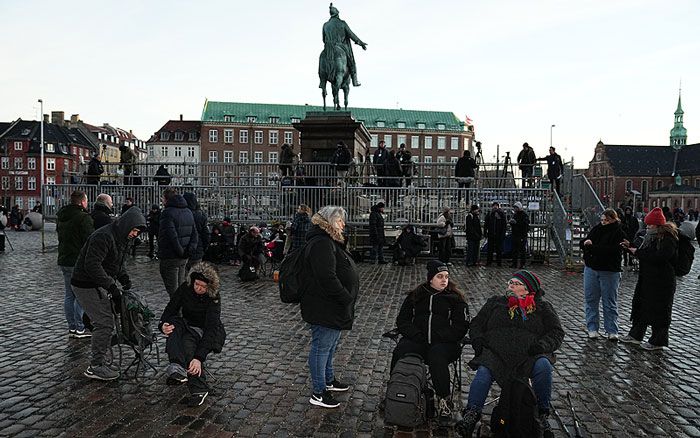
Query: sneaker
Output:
(197,399)
(592,334)
(325,400)
(71,333)
(614,337)
(101,372)
(81,334)
(336,386)
(627,339)
(175,379)
(465,427)
(651,347)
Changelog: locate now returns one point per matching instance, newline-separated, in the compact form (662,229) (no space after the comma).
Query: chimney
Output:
(57,117)
(75,118)
(181,117)
(46,118)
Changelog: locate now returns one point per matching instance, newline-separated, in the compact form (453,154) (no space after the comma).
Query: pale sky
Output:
(597,69)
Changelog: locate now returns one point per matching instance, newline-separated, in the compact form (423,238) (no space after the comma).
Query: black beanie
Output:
(435,266)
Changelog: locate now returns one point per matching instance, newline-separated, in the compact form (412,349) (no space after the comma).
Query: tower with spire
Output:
(679,134)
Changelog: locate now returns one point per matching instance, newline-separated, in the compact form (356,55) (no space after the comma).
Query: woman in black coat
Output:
(514,336)
(432,321)
(331,285)
(653,296)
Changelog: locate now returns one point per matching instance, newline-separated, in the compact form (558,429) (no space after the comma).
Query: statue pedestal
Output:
(321,132)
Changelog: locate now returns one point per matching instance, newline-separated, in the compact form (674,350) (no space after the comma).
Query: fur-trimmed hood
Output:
(210,273)
(323,224)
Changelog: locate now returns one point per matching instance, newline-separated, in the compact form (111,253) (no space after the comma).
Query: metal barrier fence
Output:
(561,230)
(585,200)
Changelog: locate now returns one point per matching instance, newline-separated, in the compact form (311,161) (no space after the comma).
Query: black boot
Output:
(465,427)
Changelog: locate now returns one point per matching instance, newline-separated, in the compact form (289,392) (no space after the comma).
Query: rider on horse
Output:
(337,36)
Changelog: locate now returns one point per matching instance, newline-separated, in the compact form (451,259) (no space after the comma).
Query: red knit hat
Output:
(655,217)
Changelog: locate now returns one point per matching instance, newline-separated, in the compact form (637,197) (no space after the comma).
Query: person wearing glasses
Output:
(602,256)
(514,335)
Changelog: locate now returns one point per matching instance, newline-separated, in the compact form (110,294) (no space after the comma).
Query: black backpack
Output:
(291,272)
(516,412)
(407,393)
(247,272)
(686,254)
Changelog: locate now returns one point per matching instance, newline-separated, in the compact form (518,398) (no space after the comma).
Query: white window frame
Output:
(401,125)
(257,157)
(274,137)
(213,136)
(428,142)
(50,164)
(454,160)
(5,163)
(441,142)
(400,139)
(440,159)
(272,157)
(454,143)
(257,178)
(5,183)
(242,156)
(428,159)
(19,162)
(243,136)
(213,178)
(289,137)
(31,183)
(228,136)
(387,140)
(179,136)
(31,163)
(50,179)
(441,126)
(191,150)
(193,136)
(164,136)
(251,119)
(50,147)
(420,125)
(228,156)
(19,183)
(213,156)
(258,137)
(163,151)
(415,141)
(18,145)
(375,141)
(381,124)
(178,151)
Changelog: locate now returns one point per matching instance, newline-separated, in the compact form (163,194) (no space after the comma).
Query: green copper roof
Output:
(679,110)
(238,112)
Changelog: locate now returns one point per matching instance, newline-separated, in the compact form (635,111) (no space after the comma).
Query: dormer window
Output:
(274,119)
(179,136)
(193,136)
(26,132)
(50,147)
(296,120)
(165,136)
(380,124)
(228,118)
(251,119)
(441,126)
(400,124)
(420,125)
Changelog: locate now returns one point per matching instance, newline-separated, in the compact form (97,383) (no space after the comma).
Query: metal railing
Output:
(585,200)
(561,230)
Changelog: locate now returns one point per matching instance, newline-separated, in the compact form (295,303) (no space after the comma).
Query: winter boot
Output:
(465,427)
(544,422)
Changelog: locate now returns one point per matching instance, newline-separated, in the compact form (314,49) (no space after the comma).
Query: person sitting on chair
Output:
(251,248)
(407,246)
(195,334)
(513,335)
(432,321)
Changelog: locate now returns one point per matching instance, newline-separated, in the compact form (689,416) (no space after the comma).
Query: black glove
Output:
(535,348)
(116,297)
(125,281)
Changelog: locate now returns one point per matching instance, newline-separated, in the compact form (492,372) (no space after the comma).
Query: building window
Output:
(441,126)
(401,139)
(5,182)
(179,136)
(190,151)
(380,124)
(415,142)
(51,180)
(150,151)
(427,159)
(645,189)
(164,136)
(243,156)
(428,142)
(50,147)
(66,165)
(18,145)
(31,183)
(440,159)
(213,136)
(31,163)
(441,143)
(274,137)
(193,136)
(453,160)
(272,157)
(31,202)
(19,183)
(228,156)
(213,179)
(251,119)
(401,125)
(163,151)
(387,140)
(686,182)
(228,118)
(274,119)
(420,125)
(289,137)
(258,137)
(243,136)
(178,151)
(257,181)
(258,157)
(628,185)
(18,162)
(228,135)
(213,156)
(697,183)
(296,120)
(375,141)
(50,164)
(659,184)
(454,143)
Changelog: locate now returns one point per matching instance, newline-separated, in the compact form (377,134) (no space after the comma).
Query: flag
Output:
(468,121)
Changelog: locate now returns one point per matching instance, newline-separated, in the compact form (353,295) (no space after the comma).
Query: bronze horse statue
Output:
(333,68)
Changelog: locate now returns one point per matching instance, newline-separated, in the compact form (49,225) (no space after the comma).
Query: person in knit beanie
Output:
(514,335)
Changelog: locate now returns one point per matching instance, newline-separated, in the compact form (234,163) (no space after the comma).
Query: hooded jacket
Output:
(201,311)
(177,233)
(472,226)
(376,226)
(74,226)
(465,166)
(101,259)
(331,279)
(200,221)
(428,316)
(101,215)
(605,254)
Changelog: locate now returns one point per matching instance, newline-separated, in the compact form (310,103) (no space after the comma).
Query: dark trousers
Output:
(180,346)
(445,249)
(2,242)
(527,176)
(472,252)
(556,184)
(495,244)
(659,333)
(463,185)
(151,242)
(376,253)
(519,252)
(437,356)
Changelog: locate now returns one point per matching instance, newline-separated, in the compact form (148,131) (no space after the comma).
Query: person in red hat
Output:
(653,296)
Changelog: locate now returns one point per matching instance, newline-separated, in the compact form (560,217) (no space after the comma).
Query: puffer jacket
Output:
(605,254)
(101,214)
(74,226)
(200,220)
(101,259)
(428,316)
(177,233)
(300,226)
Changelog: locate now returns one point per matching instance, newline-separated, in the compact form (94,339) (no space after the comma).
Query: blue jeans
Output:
(597,285)
(541,378)
(71,306)
(324,341)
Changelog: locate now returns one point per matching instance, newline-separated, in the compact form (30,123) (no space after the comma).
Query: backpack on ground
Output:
(291,272)
(516,414)
(247,272)
(686,254)
(135,321)
(407,393)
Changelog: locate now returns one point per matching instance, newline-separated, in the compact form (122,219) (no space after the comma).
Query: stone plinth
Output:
(321,132)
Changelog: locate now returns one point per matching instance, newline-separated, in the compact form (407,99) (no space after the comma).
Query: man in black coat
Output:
(341,159)
(495,231)
(519,226)
(555,169)
(376,234)
(177,239)
(472,229)
(200,221)
(526,163)
(379,160)
(94,170)
(102,211)
(464,173)
(286,160)
(404,157)
(153,221)
(163,177)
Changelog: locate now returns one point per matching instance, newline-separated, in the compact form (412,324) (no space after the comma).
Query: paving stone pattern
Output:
(261,384)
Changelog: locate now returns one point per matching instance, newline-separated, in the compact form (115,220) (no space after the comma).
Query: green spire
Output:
(679,135)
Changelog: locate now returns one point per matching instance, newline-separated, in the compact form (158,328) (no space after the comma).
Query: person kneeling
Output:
(514,336)
(199,331)
(432,320)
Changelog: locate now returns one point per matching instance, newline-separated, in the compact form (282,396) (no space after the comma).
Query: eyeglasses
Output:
(514,283)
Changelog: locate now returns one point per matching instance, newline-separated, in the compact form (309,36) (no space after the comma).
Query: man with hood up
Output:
(195,334)
(200,222)
(99,266)
(177,239)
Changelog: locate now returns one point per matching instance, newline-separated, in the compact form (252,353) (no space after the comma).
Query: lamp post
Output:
(550,135)
(41,147)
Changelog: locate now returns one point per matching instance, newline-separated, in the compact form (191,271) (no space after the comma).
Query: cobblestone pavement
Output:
(261,384)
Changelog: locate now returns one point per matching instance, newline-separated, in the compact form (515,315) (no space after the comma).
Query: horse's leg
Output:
(323,93)
(346,91)
(339,85)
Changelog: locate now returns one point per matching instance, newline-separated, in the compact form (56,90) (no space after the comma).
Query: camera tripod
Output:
(507,165)
(7,239)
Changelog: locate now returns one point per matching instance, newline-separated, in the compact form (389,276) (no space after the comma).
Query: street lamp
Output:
(41,183)
(550,135)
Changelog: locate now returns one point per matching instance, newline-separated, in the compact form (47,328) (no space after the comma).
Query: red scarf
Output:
(527,305)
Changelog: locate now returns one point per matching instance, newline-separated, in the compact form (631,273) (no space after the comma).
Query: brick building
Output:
(254,132)
(650,176)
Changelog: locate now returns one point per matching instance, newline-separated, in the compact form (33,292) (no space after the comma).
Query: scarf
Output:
(526,304)
(650,237)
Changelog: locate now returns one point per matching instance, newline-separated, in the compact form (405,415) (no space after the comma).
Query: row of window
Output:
(31,202)
(257,179)
(415,142)
(378,123)
(258,136)
(19,182)
(31,163)
(177,151)
(243,157)
(254,119)
(179,136)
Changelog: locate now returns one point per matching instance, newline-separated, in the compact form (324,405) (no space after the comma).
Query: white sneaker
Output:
(627,339)
(592,334)
(651,347)
(613,337)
